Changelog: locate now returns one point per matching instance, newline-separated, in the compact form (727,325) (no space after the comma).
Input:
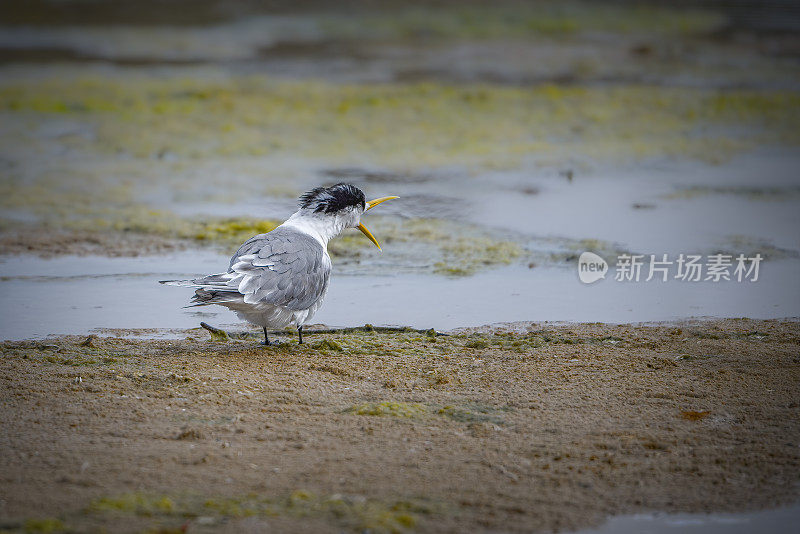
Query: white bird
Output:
(281,277)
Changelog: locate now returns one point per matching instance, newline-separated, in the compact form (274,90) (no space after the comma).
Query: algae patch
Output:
(327,345)
(224,233)
(488,21)
(353,513)
(233,231)
(383,124)
(390,409)
(453,249)
(465,255)
(135,503)
(43,526)
(135,138)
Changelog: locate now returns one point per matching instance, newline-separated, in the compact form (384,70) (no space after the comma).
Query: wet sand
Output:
(549,428)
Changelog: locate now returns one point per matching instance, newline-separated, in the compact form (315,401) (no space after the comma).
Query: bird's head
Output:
(340,206)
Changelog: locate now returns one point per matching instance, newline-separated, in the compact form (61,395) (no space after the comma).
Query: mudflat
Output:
(530,427)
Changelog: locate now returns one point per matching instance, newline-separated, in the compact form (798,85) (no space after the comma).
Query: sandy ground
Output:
(546,428)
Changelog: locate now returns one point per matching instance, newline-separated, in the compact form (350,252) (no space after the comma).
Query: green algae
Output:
(390,409)
(222,232)
(358,513)
(477,344)
(234,231)
(535,341)
(151,135)
(353,513)
(43,526)
(460,249)
(556,19)
(466,255)
(530,341)
(134,503)
(217,335)
(349,246)
(239,507)
(327,345)
(384,124)
(454,249)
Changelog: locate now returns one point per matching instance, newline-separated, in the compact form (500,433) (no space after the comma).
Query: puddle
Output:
(780,520)
(74,295)
(603,204)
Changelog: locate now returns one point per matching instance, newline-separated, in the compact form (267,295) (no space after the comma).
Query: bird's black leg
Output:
(300,334)
(266,337)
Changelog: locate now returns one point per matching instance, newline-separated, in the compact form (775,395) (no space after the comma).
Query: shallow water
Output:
(667,207)
(780,520)
(80,294)
(553,217)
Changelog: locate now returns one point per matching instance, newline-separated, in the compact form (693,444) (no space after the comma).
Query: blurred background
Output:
(145,140)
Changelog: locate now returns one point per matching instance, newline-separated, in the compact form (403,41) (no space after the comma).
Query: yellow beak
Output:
(369,235)
(371,204)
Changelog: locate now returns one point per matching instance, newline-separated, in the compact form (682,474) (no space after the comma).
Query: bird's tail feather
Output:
(214,280)
(203,297)
(211,289)
(184,283)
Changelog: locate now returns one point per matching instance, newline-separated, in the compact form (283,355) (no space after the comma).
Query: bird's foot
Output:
(269,343)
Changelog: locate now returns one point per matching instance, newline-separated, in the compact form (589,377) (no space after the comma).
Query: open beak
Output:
(369,235)
(371,204)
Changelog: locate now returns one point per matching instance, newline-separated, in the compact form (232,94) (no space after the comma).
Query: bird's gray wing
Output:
(283,267)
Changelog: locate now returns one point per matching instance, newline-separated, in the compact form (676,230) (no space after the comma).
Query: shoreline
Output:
(242,332)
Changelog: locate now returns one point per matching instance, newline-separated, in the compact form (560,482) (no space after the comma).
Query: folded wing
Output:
(283,268)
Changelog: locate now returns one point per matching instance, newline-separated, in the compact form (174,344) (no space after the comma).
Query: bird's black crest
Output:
(332,199)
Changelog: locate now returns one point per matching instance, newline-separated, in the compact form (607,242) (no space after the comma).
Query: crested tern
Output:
(281,277)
